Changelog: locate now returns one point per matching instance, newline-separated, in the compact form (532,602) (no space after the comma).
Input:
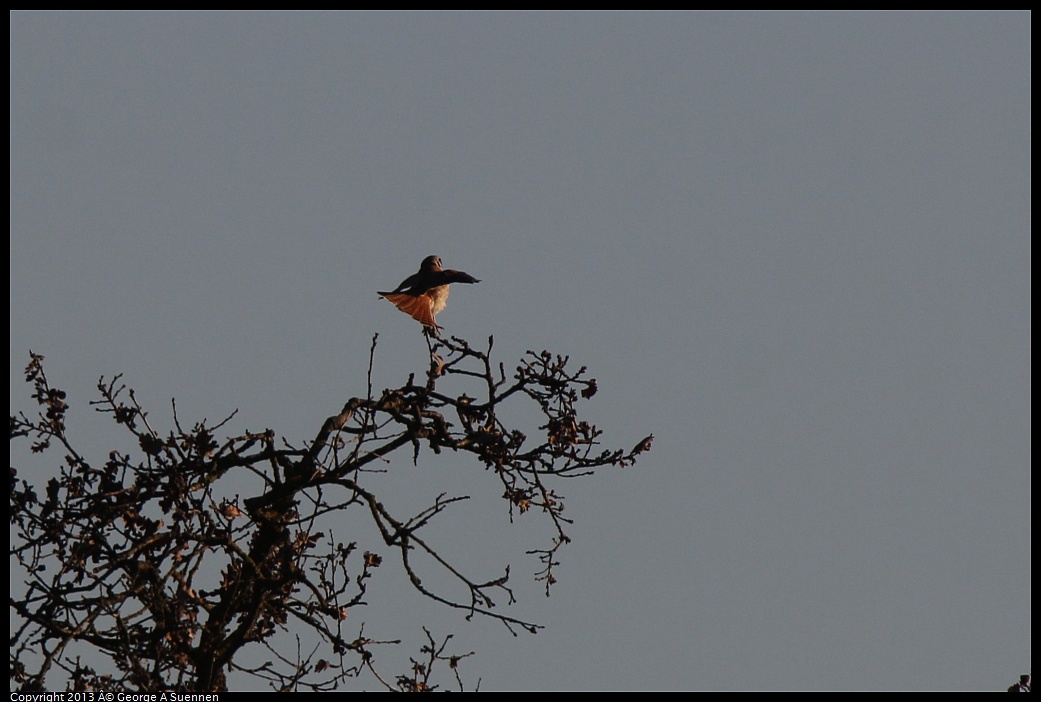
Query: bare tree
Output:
(147,572)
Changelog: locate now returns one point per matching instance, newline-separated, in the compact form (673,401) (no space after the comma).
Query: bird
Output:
(422,295)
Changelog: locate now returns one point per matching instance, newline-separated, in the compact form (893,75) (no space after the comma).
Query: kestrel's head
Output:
(431,263)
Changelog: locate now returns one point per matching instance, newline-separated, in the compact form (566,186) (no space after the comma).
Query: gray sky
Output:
(796,247)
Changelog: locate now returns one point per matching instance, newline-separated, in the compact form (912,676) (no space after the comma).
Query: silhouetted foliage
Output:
(146,572)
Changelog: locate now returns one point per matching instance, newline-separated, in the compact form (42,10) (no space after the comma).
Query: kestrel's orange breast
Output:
(438,297)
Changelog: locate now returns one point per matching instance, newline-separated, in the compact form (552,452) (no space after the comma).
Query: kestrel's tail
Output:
(415,306)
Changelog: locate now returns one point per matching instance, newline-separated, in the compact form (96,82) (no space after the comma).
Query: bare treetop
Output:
(114,557)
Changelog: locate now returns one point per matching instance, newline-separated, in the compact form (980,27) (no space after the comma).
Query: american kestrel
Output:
(423,294)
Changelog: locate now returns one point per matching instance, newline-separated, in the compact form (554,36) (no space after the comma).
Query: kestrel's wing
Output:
(408,283)
(458,277)
(416,306)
